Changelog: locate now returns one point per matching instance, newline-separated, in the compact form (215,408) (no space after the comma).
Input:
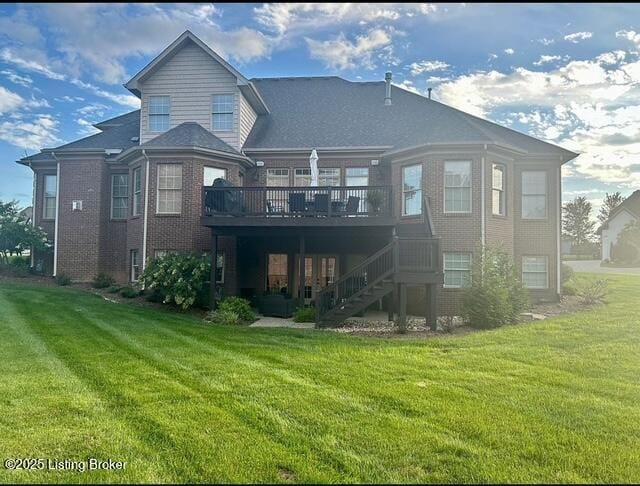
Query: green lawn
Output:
(80,377)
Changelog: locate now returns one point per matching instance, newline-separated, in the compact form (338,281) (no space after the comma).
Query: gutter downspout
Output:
(559,234)
(33,210)
(146,210)
(483,216)
(55,231)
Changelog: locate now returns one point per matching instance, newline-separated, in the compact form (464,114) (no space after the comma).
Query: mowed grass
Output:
(180,401)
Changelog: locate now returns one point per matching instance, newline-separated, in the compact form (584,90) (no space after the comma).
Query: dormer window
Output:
(159,113)
(222,113)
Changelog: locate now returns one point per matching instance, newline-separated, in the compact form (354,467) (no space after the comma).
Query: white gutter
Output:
(55,231)
(33,210)
(483,216)
(559,233)
(146,211)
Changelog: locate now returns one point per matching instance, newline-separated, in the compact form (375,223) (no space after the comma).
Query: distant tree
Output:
(610,202)
(627,247)
(17,233)
(576,221)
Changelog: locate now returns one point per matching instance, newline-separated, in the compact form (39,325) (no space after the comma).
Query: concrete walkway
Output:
(593,266)
(281,322)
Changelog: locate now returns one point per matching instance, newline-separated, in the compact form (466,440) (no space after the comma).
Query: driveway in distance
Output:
(593,266)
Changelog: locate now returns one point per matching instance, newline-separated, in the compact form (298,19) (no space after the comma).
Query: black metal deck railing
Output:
(319,202)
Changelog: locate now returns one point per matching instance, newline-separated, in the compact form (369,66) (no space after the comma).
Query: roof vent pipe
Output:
(429,91)
(387,80)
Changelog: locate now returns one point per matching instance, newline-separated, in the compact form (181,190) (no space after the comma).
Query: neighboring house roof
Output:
(190,134)
(132,116)
(27,212)
(630,204)
(333,112)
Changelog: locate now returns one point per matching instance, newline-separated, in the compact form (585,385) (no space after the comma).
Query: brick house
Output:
(408,189)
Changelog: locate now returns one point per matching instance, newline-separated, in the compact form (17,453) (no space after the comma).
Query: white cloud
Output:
(509,51)
(546,42)
(41,131)
(544,59)
(427,66)
(16,78)
(631,35)
(341,53)
(408,85)
(9,101)
(69,99)
(87,127)
(93,108)
(578,36)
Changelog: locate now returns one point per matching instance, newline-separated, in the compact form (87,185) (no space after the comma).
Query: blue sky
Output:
(566,73)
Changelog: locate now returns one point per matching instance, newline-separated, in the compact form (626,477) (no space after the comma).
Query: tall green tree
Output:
(17,233)
(610,202)
(576,221)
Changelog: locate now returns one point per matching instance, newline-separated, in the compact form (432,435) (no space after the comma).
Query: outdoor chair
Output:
(296,202)
(321,203)
(352,205)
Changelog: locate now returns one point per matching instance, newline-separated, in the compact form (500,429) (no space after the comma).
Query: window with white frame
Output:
(457,270)
(357,176)
(412,190)
(119,196)
(220,265)
(137,191)
(50,195)
(213,173)
(277,201)
(457,187)
(498,190)
(169,189)
(159,118)
(302,177)
(328,177)
(535,272)
(277,177)
(534,194)
(222,113)
(135,266)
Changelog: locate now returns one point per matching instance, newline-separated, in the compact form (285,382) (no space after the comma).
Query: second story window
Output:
(277,177)
(534,194)
(213,173)
(302,177)
(497,190)
(119,196)
(412,190)
(328,177)
(159,119)
(222,114)
(50,194)
(137,191)
(169,189)
(457,187)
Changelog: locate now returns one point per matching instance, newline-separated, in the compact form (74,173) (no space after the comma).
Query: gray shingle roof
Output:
(334,112)
(132,116)
(190,134)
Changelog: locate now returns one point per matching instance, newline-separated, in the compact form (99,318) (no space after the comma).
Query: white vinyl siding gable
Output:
(190,78)
(247,118)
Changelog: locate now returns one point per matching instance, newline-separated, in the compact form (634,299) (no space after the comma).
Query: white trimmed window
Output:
(135,266)
(159,118)
(137,191)
(222,113)
(328,177)
(213,173)
(119,196)
(457,187)
(302,177)
(412,190)
(50,195)
(497,190)
(457,270)
(534,194)
(357,176)
(169,189)
(535,272)
(277,177)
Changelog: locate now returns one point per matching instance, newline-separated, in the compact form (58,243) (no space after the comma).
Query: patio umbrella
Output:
(313,163)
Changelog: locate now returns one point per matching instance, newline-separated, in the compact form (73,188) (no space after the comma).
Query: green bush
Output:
(496,296)
(114,289)
(102,281)
(569,288)
(592,290)
(566,273)
(63,279)
(224,317)
(129,292)
(627,247)
(14,270)
(240,306)
(304,314)
(178,278)
(20,261)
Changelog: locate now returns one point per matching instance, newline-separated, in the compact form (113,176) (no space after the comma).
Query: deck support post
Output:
(214,265)
(393,303)
(402,312)
(431,311)
(302,270)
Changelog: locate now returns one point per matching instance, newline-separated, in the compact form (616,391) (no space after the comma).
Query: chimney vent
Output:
(429,91)
(387,80)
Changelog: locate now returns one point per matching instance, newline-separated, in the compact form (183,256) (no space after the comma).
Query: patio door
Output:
(319,271)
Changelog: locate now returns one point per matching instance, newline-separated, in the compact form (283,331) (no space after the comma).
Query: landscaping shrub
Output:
(63,279)
(566,273)
(592,291)
(129,292)
(569,288)
(225,317)
(239,306)
(102,281)
(496,296)
(304,314)
(627,247)
(178,278)
(114,289)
